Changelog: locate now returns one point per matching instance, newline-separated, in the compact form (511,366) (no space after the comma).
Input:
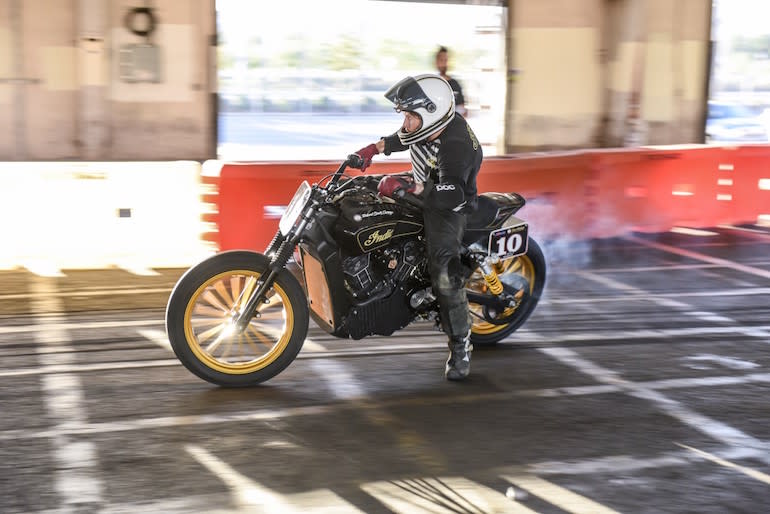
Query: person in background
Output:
(446,157)
(442,65)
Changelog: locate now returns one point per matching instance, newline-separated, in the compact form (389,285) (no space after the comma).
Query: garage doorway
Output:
(304,80)
(739,87)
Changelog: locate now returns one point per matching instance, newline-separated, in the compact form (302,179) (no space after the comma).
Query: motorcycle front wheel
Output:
(525,273)
(203,304)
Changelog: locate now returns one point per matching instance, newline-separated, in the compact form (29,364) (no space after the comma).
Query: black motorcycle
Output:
(355,261)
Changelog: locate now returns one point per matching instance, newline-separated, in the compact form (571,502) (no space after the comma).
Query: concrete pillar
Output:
(606,73)
(16,81)
(92,115)
(554,51)
(624,47)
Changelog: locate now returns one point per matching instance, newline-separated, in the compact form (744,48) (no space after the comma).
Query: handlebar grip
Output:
(355,161)
(411,199)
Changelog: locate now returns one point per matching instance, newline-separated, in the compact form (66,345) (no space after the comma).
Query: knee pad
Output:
(444,285)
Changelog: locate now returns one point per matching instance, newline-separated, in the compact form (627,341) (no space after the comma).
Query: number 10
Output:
(509,244)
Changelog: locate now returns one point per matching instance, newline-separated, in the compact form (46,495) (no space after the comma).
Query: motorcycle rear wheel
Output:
(530,268)
(199,321)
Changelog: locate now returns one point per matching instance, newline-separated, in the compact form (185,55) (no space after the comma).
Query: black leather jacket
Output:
(457,152)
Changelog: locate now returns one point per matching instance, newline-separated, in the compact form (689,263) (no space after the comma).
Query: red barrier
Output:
(749,169)
(692,186)
(558,189)
(252,196)
(585,194)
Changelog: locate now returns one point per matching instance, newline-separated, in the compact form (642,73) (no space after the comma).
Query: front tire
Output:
(200,310)
(527,269)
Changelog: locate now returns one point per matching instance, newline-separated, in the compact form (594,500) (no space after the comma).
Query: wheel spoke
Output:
(476,314)
(223,336)
(235,286)
(207,320)
(212,299)
(260,335)
(241,351)
(228,348)
(252,346)
(248,288)
(208,334)
(224,294)
(208,311)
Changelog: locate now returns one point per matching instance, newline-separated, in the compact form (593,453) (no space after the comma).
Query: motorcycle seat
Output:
(492,209)
(484,214)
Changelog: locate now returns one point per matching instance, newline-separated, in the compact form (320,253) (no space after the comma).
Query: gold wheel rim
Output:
(521,265)
(208,318)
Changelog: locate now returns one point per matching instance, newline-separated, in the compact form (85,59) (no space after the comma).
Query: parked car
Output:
(731,122)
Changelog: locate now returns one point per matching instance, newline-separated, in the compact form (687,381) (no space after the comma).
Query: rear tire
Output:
(199,313)
(530,267)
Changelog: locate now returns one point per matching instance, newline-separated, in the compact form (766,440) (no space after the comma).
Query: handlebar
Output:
(350,161)
(411,199)
(355,161)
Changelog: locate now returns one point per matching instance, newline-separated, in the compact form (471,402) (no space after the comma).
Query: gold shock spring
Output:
(491,278)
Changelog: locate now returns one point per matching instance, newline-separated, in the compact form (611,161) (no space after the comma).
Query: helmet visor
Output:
(407,95)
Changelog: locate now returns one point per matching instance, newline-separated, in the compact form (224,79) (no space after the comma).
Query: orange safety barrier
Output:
(692,186)
(744,176)
(251,197)
(558,189)
(583,194)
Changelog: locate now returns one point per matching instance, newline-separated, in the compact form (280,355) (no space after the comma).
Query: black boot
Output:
(458,366)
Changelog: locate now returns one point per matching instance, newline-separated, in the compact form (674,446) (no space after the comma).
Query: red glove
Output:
(366,155)
(395,185)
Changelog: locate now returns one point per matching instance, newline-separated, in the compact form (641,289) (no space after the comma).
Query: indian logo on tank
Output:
(382,234)
(375,237)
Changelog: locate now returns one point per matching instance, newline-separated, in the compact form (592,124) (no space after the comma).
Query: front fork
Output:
(259,295)
(279,251)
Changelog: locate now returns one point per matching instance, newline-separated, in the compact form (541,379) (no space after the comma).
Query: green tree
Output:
(255,59)
(752,45)
(407,57)
(343,54)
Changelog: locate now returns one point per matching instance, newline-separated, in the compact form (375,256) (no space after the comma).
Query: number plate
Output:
(509,242)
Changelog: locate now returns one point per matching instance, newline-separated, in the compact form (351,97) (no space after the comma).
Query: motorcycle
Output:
(355,262)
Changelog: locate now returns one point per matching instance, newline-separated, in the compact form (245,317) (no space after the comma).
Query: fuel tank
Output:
(367,222)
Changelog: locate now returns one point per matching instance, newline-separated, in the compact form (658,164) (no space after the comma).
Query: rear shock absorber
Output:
(491,278)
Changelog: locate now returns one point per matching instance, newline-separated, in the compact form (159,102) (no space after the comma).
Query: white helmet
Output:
(430,97)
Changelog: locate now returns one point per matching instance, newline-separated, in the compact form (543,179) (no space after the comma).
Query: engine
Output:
(380,272)
(383,259)
(379,283)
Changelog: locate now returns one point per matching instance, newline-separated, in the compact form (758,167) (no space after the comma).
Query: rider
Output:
(446,156)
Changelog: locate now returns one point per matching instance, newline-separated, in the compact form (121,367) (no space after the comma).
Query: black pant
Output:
(444,231)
